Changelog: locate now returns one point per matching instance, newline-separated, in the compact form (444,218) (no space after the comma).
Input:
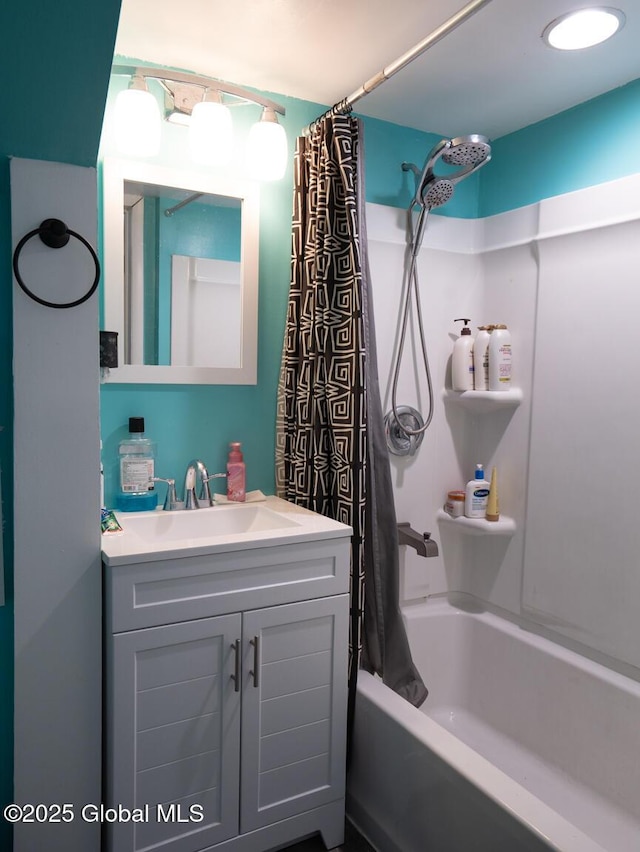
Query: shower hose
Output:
(411,287)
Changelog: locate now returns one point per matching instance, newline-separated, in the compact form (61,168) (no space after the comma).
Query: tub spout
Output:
(422,543)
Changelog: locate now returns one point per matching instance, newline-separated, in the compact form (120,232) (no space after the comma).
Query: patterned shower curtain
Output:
(331,453)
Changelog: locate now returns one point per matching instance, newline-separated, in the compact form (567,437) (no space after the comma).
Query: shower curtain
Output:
(331,453)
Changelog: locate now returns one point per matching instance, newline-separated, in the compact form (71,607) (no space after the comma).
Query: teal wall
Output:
(55,65)
(592,143)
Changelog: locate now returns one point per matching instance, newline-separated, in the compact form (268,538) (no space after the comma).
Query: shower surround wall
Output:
(563,275)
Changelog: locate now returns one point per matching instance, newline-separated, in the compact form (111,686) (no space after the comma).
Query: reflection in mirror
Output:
(180,275)
(206,312)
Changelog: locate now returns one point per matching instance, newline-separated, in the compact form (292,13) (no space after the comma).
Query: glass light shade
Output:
(210,134)
(267,149)
(583,28)
(137,123)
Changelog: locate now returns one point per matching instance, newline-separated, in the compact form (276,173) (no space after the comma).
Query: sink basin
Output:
(208,523)
(148,536)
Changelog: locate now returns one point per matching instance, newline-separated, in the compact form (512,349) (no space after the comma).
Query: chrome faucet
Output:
(423,544)
(196,471)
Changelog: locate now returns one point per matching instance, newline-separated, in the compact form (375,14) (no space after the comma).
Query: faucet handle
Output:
(214,476)
(205,492)
(171,500)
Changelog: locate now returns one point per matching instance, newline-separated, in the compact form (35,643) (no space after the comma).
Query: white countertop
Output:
(148,536)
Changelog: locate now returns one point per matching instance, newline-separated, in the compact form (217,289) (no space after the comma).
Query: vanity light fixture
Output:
(137,120)
(583,28)
(211,131)
(204,105)
(267,148)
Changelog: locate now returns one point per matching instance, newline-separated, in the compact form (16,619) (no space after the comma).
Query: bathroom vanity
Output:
(226,678)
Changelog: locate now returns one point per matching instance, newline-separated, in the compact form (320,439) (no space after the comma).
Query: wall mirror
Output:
(180,274)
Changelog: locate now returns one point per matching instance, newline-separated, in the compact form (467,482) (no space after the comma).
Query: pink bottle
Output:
(236,474)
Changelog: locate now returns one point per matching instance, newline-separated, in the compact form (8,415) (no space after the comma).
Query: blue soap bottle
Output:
(137,469)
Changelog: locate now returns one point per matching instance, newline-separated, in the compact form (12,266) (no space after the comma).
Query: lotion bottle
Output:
(481,358)
(476,495)
(462,360)
(500,359)
(236,474)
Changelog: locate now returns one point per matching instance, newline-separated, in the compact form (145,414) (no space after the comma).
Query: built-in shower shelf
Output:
(485,400)
(478,526)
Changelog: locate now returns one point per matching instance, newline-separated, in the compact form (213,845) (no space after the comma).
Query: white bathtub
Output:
(521,745)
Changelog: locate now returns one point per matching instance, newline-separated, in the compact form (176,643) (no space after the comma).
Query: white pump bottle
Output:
(462,359)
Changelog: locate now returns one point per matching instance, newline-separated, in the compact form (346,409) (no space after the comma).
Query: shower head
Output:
(469,151)
(436,192)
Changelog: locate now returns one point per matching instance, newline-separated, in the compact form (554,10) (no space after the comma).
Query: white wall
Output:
(57,571)
(451,286)
(563,275)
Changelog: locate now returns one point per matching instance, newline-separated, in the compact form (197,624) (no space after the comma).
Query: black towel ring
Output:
(55,234)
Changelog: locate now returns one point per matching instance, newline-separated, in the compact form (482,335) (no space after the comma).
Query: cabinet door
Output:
(174,723)
(294,710)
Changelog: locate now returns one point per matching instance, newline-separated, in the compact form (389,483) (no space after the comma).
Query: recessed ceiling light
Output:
(583,28)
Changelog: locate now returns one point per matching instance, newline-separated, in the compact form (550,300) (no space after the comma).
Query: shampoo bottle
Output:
(500,359)
(462,359)
(137,466)
(476,495)
(481,358)
(236,474)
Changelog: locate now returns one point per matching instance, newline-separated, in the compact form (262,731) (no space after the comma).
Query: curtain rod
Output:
(344,106)
(193,197)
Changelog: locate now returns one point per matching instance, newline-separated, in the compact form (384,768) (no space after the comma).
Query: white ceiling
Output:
(492,75)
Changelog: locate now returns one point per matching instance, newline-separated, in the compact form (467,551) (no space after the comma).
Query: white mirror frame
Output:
(114,174)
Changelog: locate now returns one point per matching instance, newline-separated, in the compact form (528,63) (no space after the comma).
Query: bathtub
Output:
(521,745)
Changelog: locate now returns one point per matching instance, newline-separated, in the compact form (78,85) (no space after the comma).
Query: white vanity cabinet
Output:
(174,730)
(226,682)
